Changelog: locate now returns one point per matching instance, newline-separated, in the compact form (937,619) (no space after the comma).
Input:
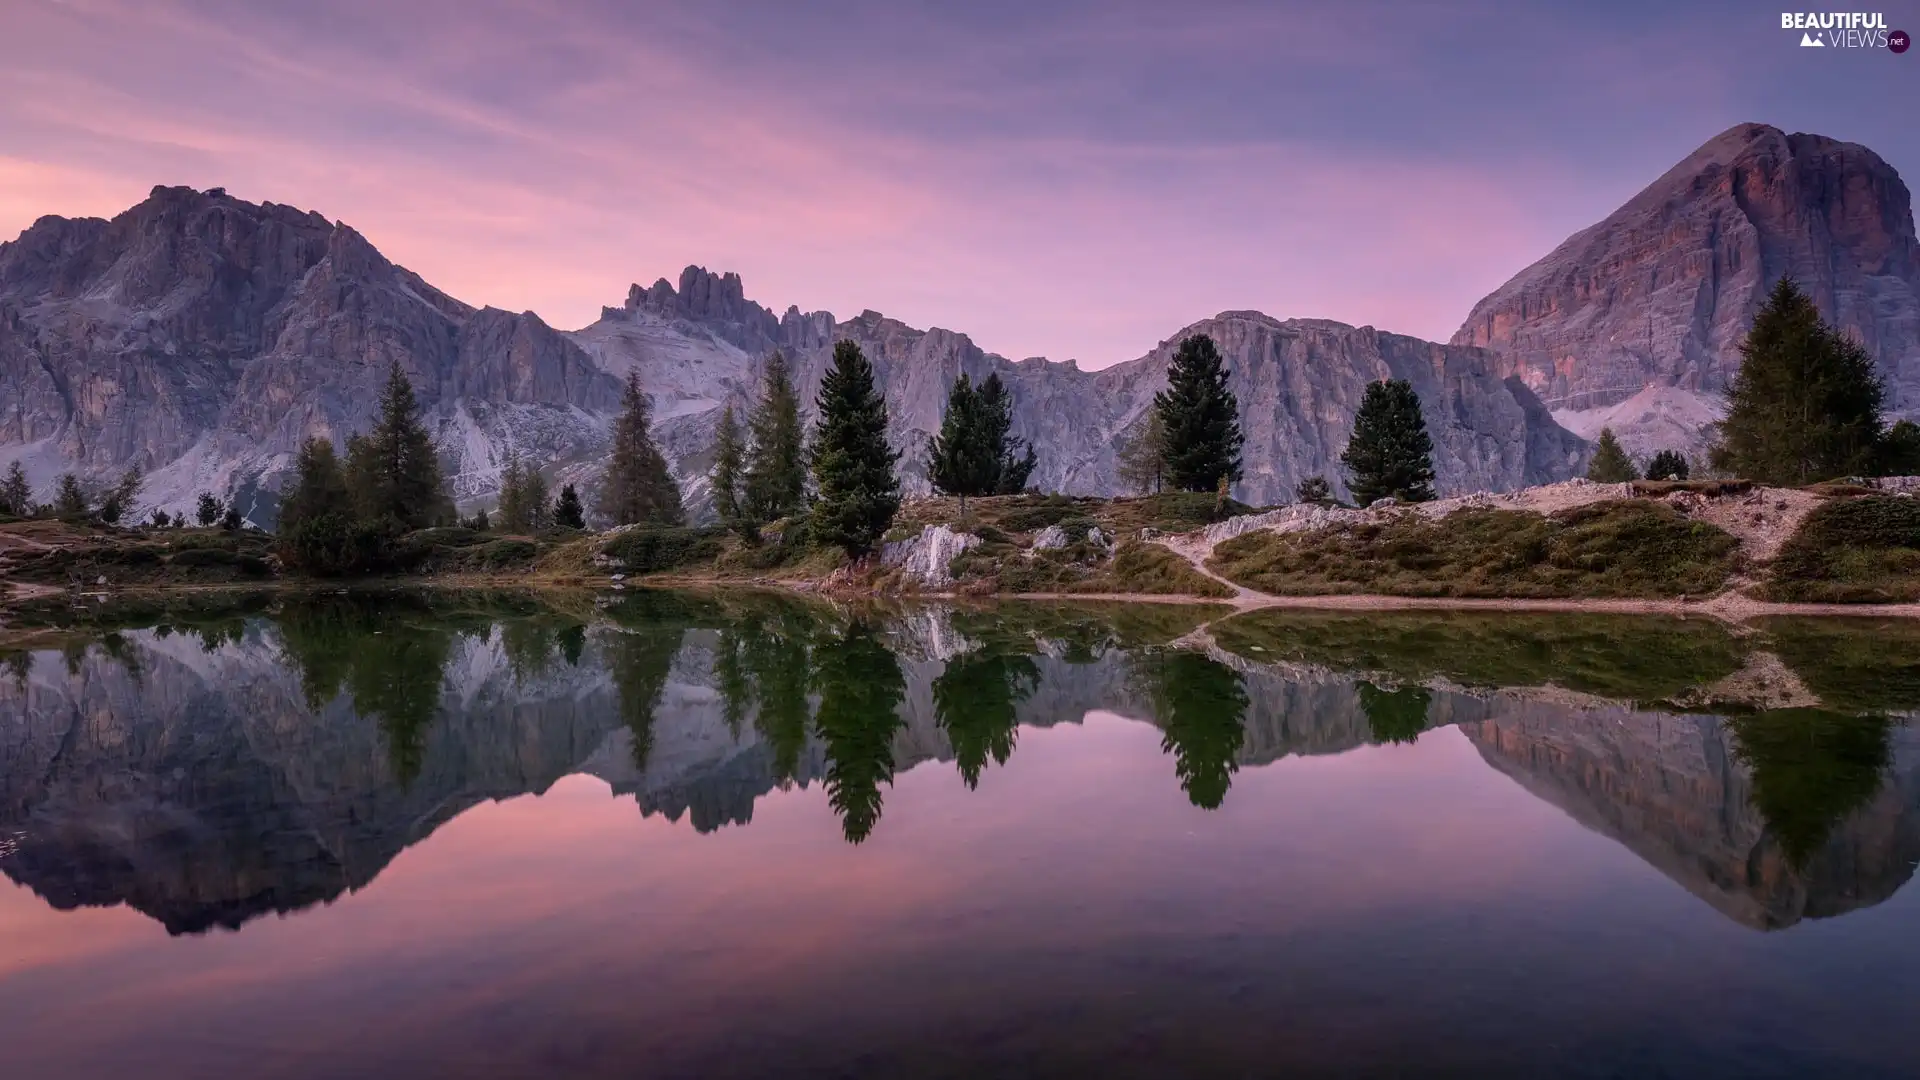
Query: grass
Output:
(1136,567)
(1019,516)
(82,555)
(1621,548)
(1633,658)
(1863,550)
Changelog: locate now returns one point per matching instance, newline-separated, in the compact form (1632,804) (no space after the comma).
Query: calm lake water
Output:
(694,836)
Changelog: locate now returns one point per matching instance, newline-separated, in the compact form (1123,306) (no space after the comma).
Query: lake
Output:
(693,835)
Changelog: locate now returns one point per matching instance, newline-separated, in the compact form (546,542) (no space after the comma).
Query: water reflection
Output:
(207,768)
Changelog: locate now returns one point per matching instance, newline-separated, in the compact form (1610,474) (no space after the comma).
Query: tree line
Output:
(1806,405)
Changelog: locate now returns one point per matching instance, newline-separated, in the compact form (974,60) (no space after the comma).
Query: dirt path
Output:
(1196,549)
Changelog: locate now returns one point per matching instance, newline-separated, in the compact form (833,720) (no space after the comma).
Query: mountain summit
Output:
(1635,322)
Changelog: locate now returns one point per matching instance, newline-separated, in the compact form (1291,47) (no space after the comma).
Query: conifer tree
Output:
(726,479)
(567,511)
(959,461)
(1668,465)
(775,481)
(1201,418)
(119,499)
(1390,454)
(523,496)
(1610,463)
(1314,489)
(1805,405)
(319,488)
(393,471)
(852,463)
(207,510)
(1013,457)
(638,487)
(16,495)
(69,498)
(1143,454)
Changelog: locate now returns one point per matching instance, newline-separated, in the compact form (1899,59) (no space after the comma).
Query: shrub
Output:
(651,549)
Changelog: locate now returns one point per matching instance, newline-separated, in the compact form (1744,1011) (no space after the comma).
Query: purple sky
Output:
(1069,180)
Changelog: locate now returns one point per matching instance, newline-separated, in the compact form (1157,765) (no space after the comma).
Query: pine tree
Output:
(1899,451)
(1014,458)
(1805,405)
(1390,454)
(567,512)
(16,495)
(1668,465)
(392,471)
(1143,454)
(959,461)
(231,520)
(725,478)
(69,498)
(852,463)
(120,498)
(319,488)
(1314,489)
(523,496)
(638,488)
(1201,418)
(775,481)
(207,510)
(1610,463)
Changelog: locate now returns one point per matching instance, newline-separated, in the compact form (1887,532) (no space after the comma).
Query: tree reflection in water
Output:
(1201,705)
(974,700)
(860,686)
(388,654)
(1811,769)
(1394,716)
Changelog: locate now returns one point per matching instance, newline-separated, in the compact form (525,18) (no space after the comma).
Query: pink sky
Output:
(1078,181)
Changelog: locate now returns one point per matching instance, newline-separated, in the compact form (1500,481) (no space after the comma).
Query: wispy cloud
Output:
(1075,180)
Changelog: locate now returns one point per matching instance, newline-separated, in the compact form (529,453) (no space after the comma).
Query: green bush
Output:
(333,545)
(649,550)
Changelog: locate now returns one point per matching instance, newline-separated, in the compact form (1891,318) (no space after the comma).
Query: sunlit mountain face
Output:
(994,831)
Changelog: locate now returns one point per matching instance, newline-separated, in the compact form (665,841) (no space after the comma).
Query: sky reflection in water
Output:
(1295,842)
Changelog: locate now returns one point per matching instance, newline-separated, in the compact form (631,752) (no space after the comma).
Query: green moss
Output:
(1623,548)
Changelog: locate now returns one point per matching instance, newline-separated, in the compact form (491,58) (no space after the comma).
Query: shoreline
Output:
(1729,607)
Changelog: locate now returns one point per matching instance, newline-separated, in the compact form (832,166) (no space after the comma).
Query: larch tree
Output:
(775,482)
(638,488)
(1142,454)
(726,478)
(1610,463)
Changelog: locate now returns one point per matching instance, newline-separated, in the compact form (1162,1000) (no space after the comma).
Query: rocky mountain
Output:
(1635,322)
(202,337)
(703,343)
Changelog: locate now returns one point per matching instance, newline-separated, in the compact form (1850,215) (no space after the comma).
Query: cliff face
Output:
(1653,301)
(202,337)
(1299,381)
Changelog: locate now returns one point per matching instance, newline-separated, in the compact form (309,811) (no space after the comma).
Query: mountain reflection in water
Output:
(209,770)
